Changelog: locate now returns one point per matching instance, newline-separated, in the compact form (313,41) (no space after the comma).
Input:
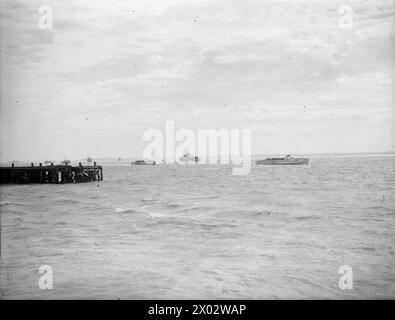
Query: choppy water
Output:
(199,232)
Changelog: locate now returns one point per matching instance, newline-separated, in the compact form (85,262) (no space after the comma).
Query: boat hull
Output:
(283,162)
(143,163)
(189,160)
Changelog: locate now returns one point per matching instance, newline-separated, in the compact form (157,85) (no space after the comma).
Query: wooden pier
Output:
(50,174)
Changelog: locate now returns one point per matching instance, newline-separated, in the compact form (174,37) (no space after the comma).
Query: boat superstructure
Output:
(287,160)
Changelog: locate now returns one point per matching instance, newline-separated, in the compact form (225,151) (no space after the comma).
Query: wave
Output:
(156,215)
(173,206)
(125,210)
(262,213)
(148,201)
(11,203)
(69,201)
(199,208)
(189,222)
(306,217)
(246,214)
(6,203)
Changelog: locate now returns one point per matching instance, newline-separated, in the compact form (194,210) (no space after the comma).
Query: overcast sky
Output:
(109,70)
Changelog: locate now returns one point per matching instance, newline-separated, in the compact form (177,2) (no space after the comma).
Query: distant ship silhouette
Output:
(187,157)
(287,160)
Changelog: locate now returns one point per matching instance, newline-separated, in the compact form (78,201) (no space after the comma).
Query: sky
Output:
(291,71)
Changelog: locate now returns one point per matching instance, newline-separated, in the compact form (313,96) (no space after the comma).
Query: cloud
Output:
(133,65)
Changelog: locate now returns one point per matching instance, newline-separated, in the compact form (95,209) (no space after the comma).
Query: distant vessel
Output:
(144,162)
(187,158)
(287,160)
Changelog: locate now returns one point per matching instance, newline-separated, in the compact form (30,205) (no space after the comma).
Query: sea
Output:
(322,231)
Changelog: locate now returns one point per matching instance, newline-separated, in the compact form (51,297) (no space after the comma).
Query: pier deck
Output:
(50,174)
